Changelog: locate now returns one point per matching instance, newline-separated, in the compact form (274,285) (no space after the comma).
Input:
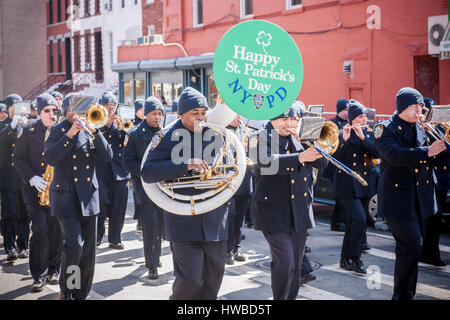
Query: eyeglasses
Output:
(49,110)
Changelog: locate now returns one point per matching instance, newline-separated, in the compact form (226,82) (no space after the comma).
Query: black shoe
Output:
(345,263)
(23,254)
(12,255)
(53,279)
(307,249)
(117,246)
(230,258)
(338,228)
(138,226)
(38,286)
(242,236)
(366,247)
(63,296)
(358,267)
(153,274)
(99,242)
(436,263)
(238,256)
(307,278)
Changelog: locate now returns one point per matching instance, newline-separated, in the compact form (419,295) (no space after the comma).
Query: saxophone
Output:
(44,198)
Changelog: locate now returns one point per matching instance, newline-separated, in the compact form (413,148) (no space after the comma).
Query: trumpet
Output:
(124,125)
(96,117)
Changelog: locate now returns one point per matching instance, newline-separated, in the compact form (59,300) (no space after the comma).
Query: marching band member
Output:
(74,197)
(198,242)
(112,178)
(406,188)
(46,239)
(59,98)
(3,113)
(338,217)
(356,149)
(240,202)
(430,249)
(136,143)
(135,179)
(281,206)
(15,223)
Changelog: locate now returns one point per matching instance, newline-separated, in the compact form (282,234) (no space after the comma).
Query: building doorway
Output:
(426,76)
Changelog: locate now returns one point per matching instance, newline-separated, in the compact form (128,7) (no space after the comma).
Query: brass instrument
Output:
(426,120)
(124,125)
(329,137)
(44,199)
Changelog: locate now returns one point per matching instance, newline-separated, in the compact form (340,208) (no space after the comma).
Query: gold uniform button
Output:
(87,167)
(428,181)
(265,198)
(42,164)
(143,129)
(424,161)
(417,183)
(435,168)
(13,145)
(87,154)
(120,136)
(354,155)
(288,152)
(365,173)
(12,164)
(305,194)
(305,178)
(354,164)
(88,179)
(42,153)
(110,136)
(445,167)
(76,179)
(57,185)
(120,154)
(292,181)
(75,168)
(399,128)
(292,196)
(396,185)
(74,156)
(427,168)
(120,145)
(12,154)
(110,145)
(416,170)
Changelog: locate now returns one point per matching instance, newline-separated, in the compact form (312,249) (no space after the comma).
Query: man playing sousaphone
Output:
(46,240)
(198,242)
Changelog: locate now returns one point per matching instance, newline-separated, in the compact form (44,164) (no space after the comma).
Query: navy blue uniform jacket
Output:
(356,155)
(283,201)
(29,158)
(406,171)
(210,226)
(9,178)
(74,178)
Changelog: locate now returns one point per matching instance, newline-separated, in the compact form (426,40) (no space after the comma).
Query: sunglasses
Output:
(49,110)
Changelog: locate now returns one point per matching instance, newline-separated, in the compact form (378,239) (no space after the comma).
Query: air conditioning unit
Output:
(155,39)
(87,66)
(436,30)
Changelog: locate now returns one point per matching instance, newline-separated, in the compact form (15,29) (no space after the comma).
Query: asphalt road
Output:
(122,274)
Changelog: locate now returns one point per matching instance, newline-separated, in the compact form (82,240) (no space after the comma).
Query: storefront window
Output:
(212,91)
(167,84)
(128,92)
(133,86)
(139,89)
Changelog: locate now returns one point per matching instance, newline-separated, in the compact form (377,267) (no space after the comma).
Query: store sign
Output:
(258,69)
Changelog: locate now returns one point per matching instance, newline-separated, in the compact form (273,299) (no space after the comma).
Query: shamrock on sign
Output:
(264,39)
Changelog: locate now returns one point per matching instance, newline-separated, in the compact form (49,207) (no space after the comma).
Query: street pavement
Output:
(121,274)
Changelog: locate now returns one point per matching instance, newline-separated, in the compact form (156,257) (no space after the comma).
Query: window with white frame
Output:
(198,13)
(246,8)
(149,1)
(293,4)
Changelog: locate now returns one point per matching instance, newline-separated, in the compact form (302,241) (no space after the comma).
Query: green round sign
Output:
(258,69)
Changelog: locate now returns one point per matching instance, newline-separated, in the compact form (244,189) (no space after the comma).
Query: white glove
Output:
(39,183)
(14,122)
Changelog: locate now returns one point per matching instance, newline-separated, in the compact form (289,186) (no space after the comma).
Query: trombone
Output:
(96,117)
(326,142)
(431,129)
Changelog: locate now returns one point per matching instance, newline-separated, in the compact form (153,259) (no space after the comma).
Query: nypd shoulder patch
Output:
(125,141)
(155,141)
(378,131)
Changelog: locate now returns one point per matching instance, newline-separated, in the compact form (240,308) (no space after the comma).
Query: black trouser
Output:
(198,267)
(408,244)
(238,209)
(15,222)
(152,230)
(78,255)
(339,215)
(287,250)
(45,243)
(430,247)
(113,204)
(355,227)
